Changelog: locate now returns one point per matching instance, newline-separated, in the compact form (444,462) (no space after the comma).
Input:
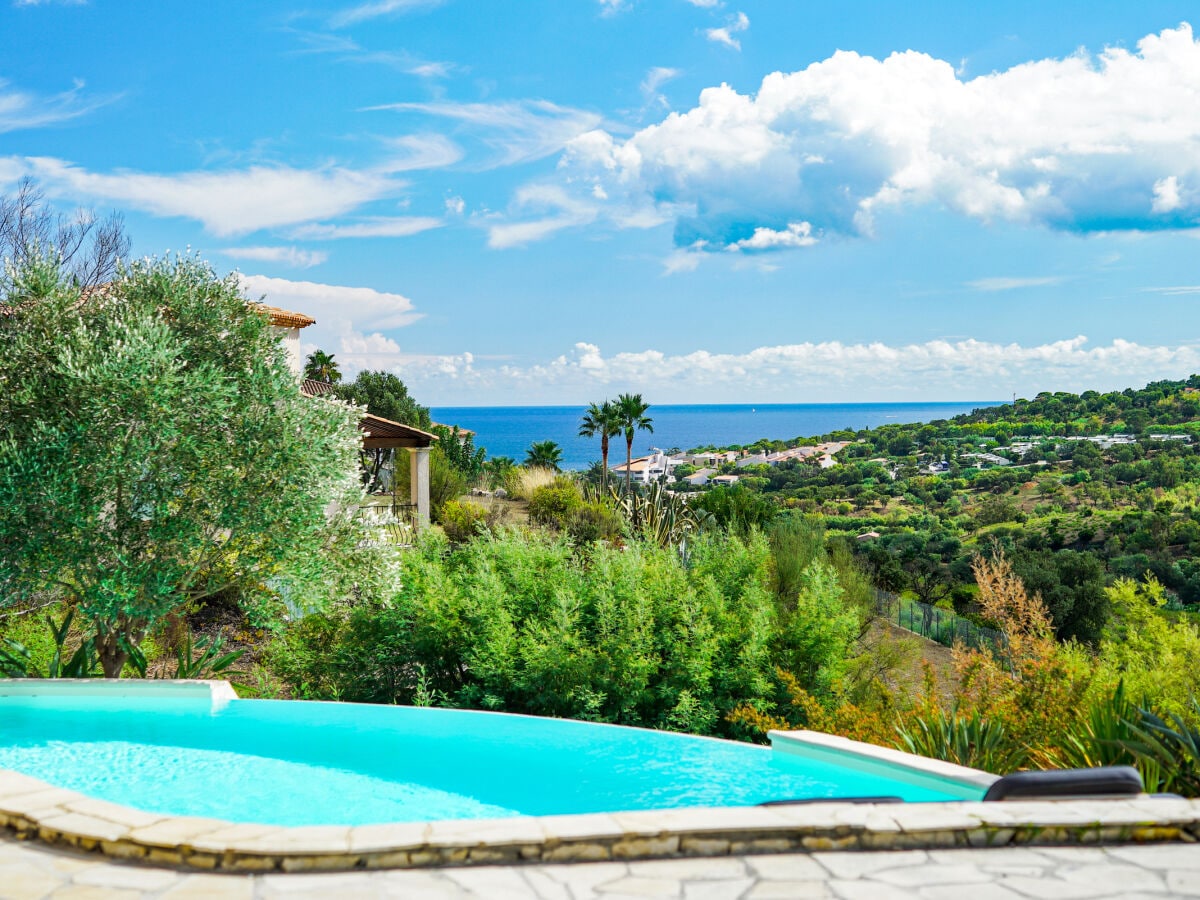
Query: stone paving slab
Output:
(33,871)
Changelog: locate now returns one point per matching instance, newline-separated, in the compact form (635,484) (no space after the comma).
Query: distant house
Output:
(700,477)
(646,469)
(725,479)
(867,536)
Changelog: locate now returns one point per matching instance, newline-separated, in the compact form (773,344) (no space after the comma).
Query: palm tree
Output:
(601,420)
(546,454)
(321,366)
(631,414)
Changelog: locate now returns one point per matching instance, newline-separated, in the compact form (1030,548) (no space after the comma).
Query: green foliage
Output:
(458,447)
(321,366)
(17,661)
(446,481)
(529,622)
(384,395)
(555,504)
(974,741)
(544,455)
(595,521)
(154,449)
(210,663)
(601,420)
(461,520)
(736,508)
(1170,748)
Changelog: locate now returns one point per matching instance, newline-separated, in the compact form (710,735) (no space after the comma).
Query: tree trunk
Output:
(604,463)
(112,654)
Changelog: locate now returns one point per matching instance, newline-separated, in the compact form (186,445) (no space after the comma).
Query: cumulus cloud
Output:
(518,131)
(1088,143)
(288,256)
(371,227)
(725,34)
(831,370)
(21,109)
(350,320)
(231,202)
(797,234)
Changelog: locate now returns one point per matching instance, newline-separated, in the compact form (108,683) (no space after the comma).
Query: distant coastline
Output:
(508,430)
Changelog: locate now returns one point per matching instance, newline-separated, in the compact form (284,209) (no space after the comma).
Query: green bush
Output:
(595,521)
(461,520)
(534,623)
(554,504)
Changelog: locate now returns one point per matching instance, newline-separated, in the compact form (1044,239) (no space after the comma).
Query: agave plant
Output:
(16,661)
(208,664)
(973,741)
(659,515)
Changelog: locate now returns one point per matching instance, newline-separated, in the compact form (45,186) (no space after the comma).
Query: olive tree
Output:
(155,449)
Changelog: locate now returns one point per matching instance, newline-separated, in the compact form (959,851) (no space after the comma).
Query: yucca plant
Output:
(208,664)
(1167,748)
(16,661)
(658,515)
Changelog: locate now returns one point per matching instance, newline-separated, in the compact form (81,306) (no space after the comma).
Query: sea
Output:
(509,430)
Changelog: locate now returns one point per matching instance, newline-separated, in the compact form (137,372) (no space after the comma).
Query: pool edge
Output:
(30,808)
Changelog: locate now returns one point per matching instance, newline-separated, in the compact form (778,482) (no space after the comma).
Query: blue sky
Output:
(552,201)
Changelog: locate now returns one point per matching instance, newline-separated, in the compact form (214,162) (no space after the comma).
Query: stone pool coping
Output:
(30,808)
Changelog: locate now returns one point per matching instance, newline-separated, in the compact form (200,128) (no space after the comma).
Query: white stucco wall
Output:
(291,342)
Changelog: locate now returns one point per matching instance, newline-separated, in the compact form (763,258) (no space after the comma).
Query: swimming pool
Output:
(304,763)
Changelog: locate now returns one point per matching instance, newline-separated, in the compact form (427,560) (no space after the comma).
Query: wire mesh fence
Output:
(941,625)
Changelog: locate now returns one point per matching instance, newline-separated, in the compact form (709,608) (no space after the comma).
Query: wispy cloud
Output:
(1176,291)
(375,227)
(564,212)
(231,202)
(612,7)
(725,34)
(1013,284)
(366,11)
(656,78)
(519,131)
(288,256)
(24,109)
(50,2)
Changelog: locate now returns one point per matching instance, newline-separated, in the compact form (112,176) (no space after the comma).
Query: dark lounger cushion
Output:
(1106,781)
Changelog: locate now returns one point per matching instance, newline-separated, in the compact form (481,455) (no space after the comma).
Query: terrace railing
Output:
(941,625)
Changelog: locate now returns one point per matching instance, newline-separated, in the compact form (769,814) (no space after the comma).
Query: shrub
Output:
(595,521)
(554,504)
(461,520)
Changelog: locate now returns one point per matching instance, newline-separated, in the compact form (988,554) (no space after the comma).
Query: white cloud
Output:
(50,2)
(1086,144)
(612,7)
(656,78)
(229,202)
(565,212)
(519,131)
(372,227)
(365,11)
(1166,195)
(705,4)
(455,206)
(288,256)
(970,369)
(343,313)
(797,234)
(1012,284)
(725,34)
(419,151)
(1175,291)
(22,109)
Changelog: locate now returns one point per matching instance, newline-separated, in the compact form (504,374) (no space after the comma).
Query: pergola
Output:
(384,434)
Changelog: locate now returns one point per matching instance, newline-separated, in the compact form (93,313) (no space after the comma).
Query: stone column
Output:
(418,460)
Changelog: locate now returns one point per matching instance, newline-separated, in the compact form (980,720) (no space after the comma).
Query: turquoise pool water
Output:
(298,763)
